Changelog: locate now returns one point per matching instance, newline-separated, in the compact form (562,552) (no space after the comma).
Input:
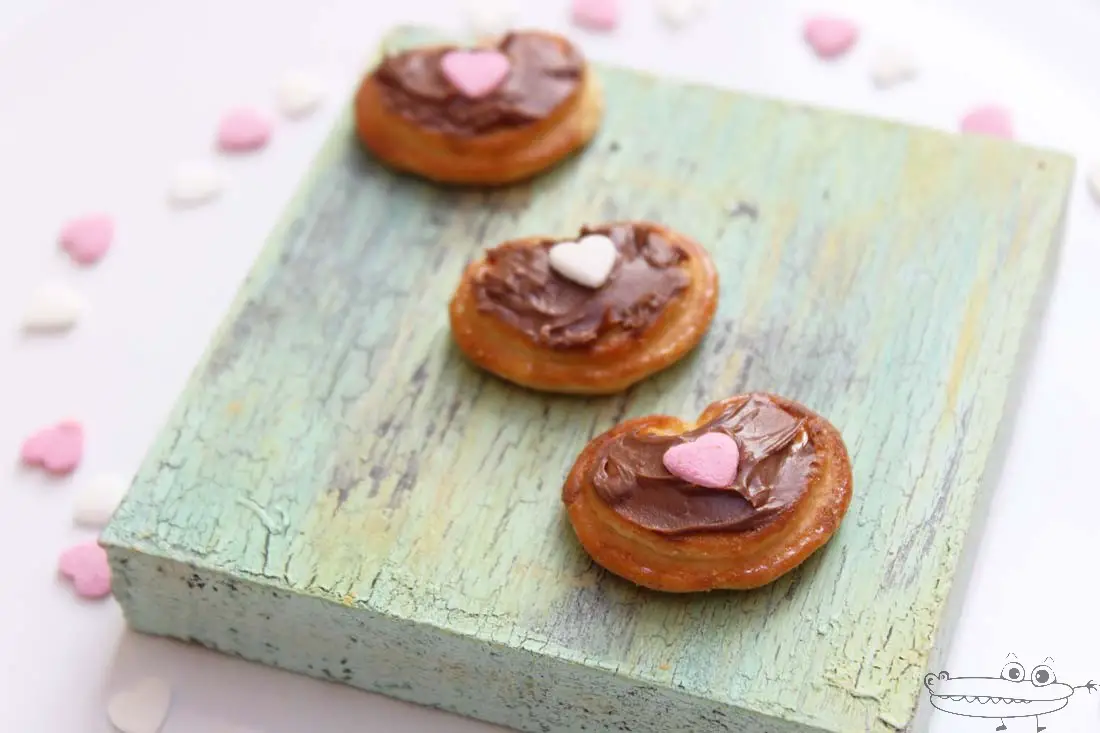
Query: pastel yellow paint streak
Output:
(1020,234)
(839,259)
(357,535)
(426,546)
(923,185)
(976,303)
(968,333)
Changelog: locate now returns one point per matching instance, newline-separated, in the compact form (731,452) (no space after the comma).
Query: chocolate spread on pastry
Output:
(777,463)
(545,72)
(519,287)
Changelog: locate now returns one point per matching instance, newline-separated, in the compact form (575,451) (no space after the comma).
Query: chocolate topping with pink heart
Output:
(519,287)
(545,72)
(777,463)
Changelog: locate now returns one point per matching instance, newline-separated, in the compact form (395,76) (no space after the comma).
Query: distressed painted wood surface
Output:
(337,492)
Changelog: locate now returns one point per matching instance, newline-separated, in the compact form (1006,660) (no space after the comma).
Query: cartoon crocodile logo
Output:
(1012,695)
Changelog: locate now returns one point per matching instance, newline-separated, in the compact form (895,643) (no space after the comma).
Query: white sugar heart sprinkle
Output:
(892,66)
(587,262)
(678,13)
(142,707)
(99,498)
(53,307)
(1092,180)
(195,183)
(299,94)
(489,17)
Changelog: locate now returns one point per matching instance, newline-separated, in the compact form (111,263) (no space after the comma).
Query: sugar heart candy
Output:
(710,461)
(587,262)
(475,73)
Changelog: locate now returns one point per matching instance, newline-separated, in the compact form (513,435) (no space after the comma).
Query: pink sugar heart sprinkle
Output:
(991,120)
(58,448)
(86,566)
(710,461)
(475,73)
(596,15)
(830,36)
(87,238)
(243,130)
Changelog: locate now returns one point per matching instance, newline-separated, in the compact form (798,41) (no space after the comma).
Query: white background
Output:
(100,100)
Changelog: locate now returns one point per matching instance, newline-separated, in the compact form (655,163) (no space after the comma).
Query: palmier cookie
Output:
(734,501)
(590,315)
(489,115)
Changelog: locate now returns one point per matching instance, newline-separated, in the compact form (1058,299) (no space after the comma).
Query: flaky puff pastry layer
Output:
(712,560)
(614,362)
(495,158)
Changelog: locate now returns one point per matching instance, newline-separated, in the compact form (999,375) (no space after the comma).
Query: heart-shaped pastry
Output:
(470,114)
(87,238)
(732,500)
(142,707)
(709,461)
(588,261)
(243,130)
(86,566)
(830,36)
(475,73)
(597,15)
(592,313)
(58,448)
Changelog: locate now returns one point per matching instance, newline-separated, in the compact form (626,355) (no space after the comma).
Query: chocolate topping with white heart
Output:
(546,71)
(778,461)
(518,286)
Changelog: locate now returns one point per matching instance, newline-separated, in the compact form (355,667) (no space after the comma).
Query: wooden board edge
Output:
(411,661)
(965,566)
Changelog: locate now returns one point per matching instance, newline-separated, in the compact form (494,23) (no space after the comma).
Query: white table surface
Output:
(100,100)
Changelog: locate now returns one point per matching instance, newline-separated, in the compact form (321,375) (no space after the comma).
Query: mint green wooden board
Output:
(338,493)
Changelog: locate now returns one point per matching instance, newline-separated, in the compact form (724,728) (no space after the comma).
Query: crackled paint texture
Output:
(338,493)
